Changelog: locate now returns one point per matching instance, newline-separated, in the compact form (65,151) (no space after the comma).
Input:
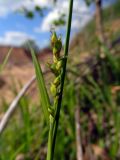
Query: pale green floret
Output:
(59,65)
(58,45)
(55,51)
(55,60)
(54,38)
(57,81)
(53,89)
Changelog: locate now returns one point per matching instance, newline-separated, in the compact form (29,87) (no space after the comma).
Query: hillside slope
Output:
(86,40)
(18,71)
(82,45)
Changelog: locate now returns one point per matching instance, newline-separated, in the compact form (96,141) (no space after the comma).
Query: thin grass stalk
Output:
(2,66)
(50,141)
(54,125)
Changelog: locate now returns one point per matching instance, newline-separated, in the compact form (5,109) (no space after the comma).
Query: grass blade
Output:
(45,102)
(5,60)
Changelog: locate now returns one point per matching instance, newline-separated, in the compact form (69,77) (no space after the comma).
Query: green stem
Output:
(50,137)
(56,122)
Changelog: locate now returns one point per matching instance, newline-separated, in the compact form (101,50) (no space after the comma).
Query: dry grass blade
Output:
(45,102)
(78,134)
(14,105)
(5,60)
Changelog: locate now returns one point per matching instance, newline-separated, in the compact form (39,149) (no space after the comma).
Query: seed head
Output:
(57,81)
(55,51)
(53,89)
(54,38)
(55,59)
(58,45)
(59,65)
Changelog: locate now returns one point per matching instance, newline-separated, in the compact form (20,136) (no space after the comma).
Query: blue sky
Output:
(15,28)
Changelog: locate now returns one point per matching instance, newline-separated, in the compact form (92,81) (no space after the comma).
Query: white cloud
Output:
(43,3)
(14,38)
(81,15)
(62,7)
(46,25)
(8,6)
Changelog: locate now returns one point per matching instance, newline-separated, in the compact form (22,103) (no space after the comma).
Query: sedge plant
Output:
(58,68)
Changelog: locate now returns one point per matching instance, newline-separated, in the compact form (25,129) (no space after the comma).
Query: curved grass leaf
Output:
(45,102)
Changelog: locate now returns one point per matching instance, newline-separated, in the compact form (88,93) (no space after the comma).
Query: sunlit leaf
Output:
(45,102)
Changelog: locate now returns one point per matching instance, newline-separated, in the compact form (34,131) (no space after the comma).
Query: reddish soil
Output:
(19,69)
(20,56)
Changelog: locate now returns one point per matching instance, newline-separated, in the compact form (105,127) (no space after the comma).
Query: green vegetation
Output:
(99,105)
(86,40)
(94,87)
(52,111)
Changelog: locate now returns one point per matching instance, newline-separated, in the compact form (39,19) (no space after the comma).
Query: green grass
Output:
(44,98)
(95,99)
(27,132)
(87,40)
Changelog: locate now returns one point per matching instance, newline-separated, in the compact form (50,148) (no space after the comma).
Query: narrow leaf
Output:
(5,60)
(45,102)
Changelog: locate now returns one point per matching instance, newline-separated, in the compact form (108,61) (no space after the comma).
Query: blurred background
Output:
(92,87)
